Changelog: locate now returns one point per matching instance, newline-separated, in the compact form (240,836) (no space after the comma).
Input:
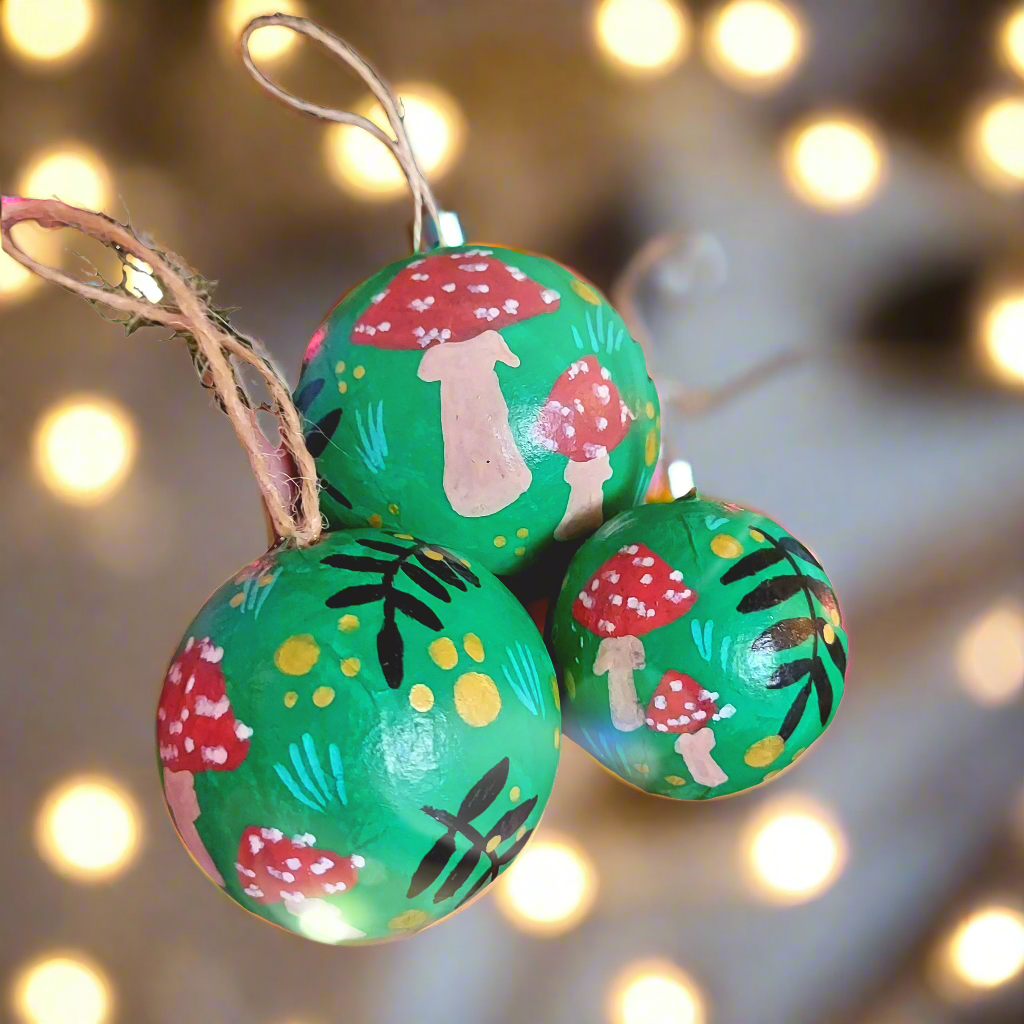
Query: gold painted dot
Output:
(771,775)
(649,408)
(499,541)
(643,769)
(359,372)
(350,666)
(342,386)
(725,546)
(465,562)
(522,532)
(477,699)
(443,653)
(514,794)
(348,623)
(555,694)
(407,919)
(585,292)
(651,447)
(340,366)
(266,579)
(237,599)
(558,737)
(432,554)
(675,780)
(472,645)
(404,536)
(375,521)
(421,697)
(322,696)
(797,753)
(570,685)
(520,552)
(297,655)
(291,699)
(834,616)
(493,843)
(756,535)
(521,833)
(763,752)
(393,509)
(828,634)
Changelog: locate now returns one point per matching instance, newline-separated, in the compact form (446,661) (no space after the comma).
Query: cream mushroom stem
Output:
(618,656)
(696,752)
(484,471)
(584,512)
(180,793)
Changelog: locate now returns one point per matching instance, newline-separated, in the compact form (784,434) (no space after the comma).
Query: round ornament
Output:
(479,393)
(358,736)
(701,648)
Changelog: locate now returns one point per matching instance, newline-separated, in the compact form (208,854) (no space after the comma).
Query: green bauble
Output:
(701,648)
(356,738)
(483,394)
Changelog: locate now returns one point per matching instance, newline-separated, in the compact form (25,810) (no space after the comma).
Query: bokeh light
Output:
(995,142)
(87,828)
(986,949)
(84,449)
(62,990)
(754,43)
(680,477)
(266,44)
(794,852)
(1001,336)
(16,281)
(362,164)
(139,280)
(645,36)
(990,655)
(1011,40)
(655,992)
(73,174)
(47,32)
(549,888)
(834,162)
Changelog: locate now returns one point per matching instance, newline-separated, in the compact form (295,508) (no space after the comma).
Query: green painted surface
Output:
(745,655)
(425,749)
(405,435)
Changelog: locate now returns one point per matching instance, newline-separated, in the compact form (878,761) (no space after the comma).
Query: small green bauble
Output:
(484,394)
(701,648)
(357,737)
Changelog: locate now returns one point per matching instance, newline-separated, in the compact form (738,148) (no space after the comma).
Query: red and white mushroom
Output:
(196,732)
(296,872)
(583,419)
(452,306)
(631,593)
(681,705)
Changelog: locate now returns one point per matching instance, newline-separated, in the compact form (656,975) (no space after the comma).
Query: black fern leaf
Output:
(477,886)
(426,582)
(334,493)
(838,653)
(415,609)
(362,593)
(318,437)
(790,673)
(459,876)
(391,650)
(752,564)
(509,823)
(484,792)
(306,395)
(432,865)
(514,850)
(356,564)
(446,818)
(794,547)
(456,563)
(382,545)
(824,593)
(823,688)
(770,593)
(442,570)
(795,712)
(783,635)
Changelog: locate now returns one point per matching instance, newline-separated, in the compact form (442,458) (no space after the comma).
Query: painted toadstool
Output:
(630,594)
(275,869)
(583,419)
(680,704)
(463,299)
(196,732)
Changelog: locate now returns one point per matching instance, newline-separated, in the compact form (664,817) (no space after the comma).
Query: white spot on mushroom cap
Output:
(207,708)
(335,887)
(255,844)
(174,728)
(384,326)
(293,863)
(605,374)
(168,751)
(190,684)
(416,263)
(420,277)
(275,835)
(601,422)
(662,728)
(549,295)
(479,288)
(616,599)
(422,305)
(305,839)
(174,674)
(603,393)
(242,731)
(515,272)
(650,721)
(321,866)
(486,314)
(661,702)
(511,306)
(450,287)
(254,891)
(357,861)
(699,716)
(190,643)
(595,584)
(215,755)
(726,711)
(189,744)
(379,297)
(291,897)
(474,268)
(160,714)
(689,705)
(646,578)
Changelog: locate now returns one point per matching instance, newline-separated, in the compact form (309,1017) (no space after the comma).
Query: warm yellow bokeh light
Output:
(995,142)
(62,990)
(47,31)
(1011,40)
(549,888)
(990,655)
(987,949)
(650,36)
(1002,336)
(17,282)
(139,280)
(361,163)
(84,449)
(655,992)
(754,43)
(266,43)
(87,828)
(72,174)
(794,853)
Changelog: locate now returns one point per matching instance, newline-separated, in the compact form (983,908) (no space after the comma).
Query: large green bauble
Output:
(701,648)
(357,737)
(482,394)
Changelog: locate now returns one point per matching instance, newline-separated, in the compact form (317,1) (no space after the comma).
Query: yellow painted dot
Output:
(675,780)
(350,666)
(393,509)
(725,546)
(266,579)
(443,653)
(834,616)
(237,599)
(359,372)
(771,775)
(348,623)
(375,521)
(407,919)
(499,541)
(291,699)
(554,692)
(558,738)
(342,386)
(763,752)
(797,753)
(472,645)
(651,447)
(465,562)
(476,698)
(421,697)
(297,655)
(585,292)
(404,536)
(322,696)
(828,634)
(340,366)
(514,794)
(521,833)
(522,532)
(432,554)
(643,769)
(520,552)
(649,408)
(756,535)
(570,685)
(493,843)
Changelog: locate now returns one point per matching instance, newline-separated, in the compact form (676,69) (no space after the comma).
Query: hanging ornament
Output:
(700,645)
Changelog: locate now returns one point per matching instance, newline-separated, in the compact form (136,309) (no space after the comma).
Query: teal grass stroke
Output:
(313,787)
(524,679)
(373,442)
(602,335)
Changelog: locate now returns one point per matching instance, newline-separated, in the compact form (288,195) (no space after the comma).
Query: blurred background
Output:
(850,181)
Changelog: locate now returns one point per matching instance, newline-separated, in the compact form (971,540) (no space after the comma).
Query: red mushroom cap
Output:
(273,868)
(448,298)
(680,704)
(632,593)
(196,729)
(584,417)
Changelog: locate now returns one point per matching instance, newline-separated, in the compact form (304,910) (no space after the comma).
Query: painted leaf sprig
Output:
(432,570)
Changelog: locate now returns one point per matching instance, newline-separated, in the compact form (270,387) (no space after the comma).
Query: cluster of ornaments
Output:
(357,737)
